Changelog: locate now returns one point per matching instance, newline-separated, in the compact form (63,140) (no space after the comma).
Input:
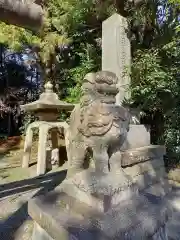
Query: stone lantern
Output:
(46,108)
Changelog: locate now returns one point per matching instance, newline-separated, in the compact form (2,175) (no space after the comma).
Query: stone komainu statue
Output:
(97,125)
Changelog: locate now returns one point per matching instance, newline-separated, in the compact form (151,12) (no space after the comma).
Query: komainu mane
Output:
(97,124)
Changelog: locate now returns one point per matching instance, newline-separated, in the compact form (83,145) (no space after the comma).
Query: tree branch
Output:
(21,13)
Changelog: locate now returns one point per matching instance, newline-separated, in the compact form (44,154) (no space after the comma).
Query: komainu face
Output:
(98,110)
(98,119)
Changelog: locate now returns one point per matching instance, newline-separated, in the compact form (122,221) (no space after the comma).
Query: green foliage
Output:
(175,2)
(155,79)
(150,80)
(76,75)
(14,37)
(46,42)
(72,15)
(154,38)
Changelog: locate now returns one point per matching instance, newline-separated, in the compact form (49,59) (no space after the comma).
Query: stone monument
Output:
(46,108)
(116,53)
(116,57)
(103,202)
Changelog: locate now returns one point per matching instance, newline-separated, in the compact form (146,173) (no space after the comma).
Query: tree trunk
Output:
(22,13)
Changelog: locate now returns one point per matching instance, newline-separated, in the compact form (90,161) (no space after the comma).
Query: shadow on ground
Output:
(46,183)
(32,183)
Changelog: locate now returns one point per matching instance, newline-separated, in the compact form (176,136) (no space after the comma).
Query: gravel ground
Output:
(17,187)
(15,224)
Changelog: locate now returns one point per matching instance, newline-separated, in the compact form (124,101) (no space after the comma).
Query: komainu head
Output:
(101,85)
(98,109)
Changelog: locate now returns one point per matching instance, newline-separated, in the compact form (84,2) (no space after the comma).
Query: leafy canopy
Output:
(69,46)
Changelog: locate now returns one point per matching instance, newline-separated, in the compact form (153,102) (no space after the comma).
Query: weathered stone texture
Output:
(97,125)
(140,218)
(143,167)
(115,199)
(133,141)
(116,52)
(39,233)
(143,154)
(46,109)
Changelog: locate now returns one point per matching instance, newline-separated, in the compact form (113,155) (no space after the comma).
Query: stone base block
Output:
(99,190)
(145,167)
(95,206)
(138,218)
(142,154)
(127,204)
(138,136)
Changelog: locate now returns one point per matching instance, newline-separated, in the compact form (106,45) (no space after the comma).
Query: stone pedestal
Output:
(65,217)
(92,206)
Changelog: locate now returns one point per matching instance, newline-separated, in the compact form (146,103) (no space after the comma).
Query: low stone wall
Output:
(143,154)
(145,166)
